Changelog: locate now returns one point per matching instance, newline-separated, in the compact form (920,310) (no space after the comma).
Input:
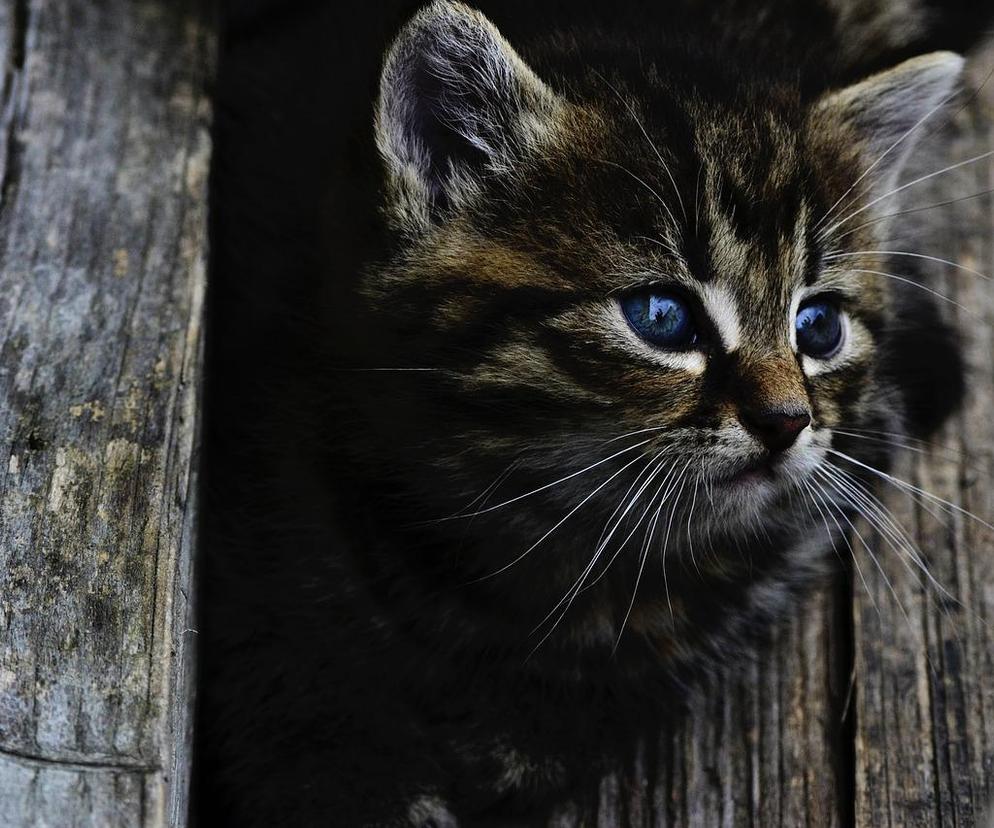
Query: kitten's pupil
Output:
(819,329)
(660,317)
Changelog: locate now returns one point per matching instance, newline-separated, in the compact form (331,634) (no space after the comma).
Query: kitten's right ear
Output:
(885,115)
(456,103)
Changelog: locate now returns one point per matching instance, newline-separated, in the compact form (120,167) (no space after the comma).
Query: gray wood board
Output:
(104,146)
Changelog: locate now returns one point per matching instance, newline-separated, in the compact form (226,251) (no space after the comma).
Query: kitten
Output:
(620,311)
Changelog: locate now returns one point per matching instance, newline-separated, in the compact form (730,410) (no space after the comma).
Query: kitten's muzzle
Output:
(776,428)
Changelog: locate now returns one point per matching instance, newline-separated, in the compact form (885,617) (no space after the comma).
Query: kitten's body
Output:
(369,663)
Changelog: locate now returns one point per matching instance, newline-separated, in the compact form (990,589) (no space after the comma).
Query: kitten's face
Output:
(648,292)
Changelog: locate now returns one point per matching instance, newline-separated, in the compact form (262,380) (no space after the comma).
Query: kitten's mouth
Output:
(752,472)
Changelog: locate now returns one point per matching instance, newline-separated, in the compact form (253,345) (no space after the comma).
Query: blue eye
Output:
(660,317)
(819,329)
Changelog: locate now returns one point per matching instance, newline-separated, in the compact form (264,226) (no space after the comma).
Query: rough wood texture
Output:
(104,149)
(875,707)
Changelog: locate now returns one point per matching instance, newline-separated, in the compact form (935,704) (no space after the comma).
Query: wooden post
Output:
(104,147)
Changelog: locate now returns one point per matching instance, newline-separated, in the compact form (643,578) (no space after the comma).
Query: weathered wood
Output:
(759,750)
(104,147)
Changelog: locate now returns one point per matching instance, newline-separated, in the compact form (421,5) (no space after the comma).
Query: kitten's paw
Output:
(431,812)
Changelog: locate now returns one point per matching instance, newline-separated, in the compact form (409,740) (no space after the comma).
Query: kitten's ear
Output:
(456,102)
(886,112)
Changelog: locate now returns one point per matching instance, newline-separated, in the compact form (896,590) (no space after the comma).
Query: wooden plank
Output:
(758,750)
(924,654)
(104,149)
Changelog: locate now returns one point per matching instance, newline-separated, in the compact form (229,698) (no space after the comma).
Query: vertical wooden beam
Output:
(104,147)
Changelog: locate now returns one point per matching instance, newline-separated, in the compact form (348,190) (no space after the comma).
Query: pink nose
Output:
(777,429)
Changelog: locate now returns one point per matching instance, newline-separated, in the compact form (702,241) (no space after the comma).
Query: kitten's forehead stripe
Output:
(724,312)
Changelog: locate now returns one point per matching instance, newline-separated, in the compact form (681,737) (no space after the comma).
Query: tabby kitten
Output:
(641,291)
(626,298)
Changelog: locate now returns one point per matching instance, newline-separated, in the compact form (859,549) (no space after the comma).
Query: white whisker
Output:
(578,585)
(666,537)
(544,488)
(880,569)
(621,546)
(903,484)
(919,285)
(657,196)
(880,519)
(882,156)
(562,520)
(824,234)
(912,210)
(935,259)
(655,149)
(641,569)
(813,490)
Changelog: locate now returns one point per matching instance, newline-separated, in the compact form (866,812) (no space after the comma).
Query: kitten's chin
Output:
(748,492)
(739,501)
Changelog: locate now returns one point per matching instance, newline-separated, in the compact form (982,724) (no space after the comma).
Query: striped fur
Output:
(522,207)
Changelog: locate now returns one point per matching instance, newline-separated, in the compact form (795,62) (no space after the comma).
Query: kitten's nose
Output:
(776,428)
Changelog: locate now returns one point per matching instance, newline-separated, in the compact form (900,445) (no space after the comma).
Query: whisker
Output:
(562,520)
(813,490)
(912,210)
(655,149)
(859,484)
(882,156)
(485,494)
(624,498)
(824,234)
(666,537)
(570,595)
(546,487)
(919,285)
(644,557)
(636,433)
(913,551)
(898,540)
(697,200)
(923,448)
(936,259)
(669,248)
(903,484)
(657,196)
(871,507)
(621,546)
(690,517)
(880,569)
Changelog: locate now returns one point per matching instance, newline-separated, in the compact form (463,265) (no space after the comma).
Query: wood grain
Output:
(104,146)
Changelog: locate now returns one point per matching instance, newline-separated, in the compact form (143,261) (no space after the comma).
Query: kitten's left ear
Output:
(885,114)
(456,103)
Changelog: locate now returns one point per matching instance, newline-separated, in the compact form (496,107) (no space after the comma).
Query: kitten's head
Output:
(646,294)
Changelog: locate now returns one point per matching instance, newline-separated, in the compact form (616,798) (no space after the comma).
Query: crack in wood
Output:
(65,763)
